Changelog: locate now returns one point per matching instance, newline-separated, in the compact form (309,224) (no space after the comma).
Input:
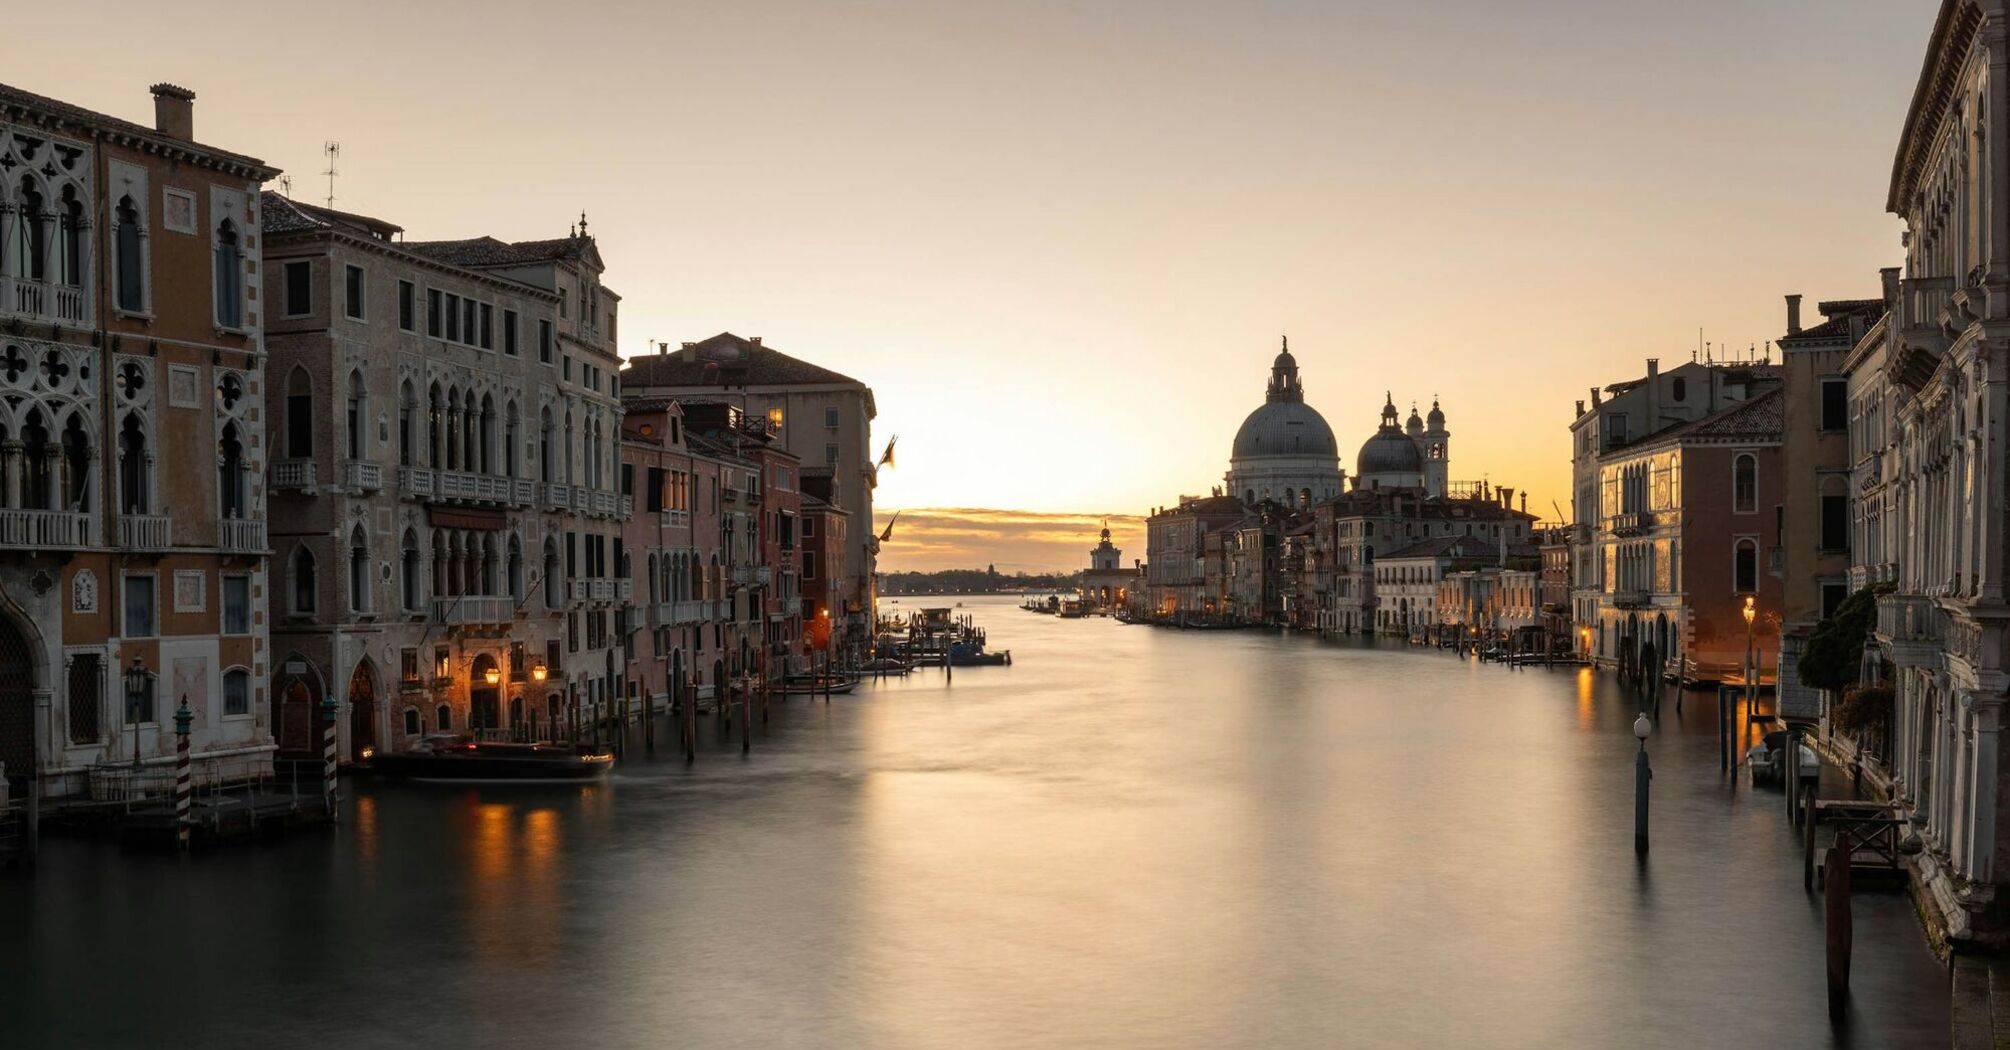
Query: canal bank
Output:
(1126,838)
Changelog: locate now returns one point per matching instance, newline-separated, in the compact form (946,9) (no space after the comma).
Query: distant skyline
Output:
(1061,241)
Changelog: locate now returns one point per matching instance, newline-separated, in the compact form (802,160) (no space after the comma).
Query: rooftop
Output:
(726,360)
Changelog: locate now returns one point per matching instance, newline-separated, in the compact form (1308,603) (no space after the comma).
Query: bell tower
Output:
(1437,452)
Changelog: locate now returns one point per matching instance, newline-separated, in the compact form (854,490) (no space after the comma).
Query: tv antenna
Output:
(333,149)
(286,186)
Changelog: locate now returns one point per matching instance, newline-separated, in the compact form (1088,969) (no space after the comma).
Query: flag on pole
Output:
(887,534)
(886,458)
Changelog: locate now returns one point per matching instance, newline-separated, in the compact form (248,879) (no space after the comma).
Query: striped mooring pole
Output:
(182,786)
(328,794)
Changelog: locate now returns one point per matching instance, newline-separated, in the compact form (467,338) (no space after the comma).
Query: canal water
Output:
(1131,837)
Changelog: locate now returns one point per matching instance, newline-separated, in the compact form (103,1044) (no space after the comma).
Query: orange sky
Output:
(1060,239)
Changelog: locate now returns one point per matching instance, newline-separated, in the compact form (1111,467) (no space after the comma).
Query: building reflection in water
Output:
(513,885)
(1587,699)
(366,836)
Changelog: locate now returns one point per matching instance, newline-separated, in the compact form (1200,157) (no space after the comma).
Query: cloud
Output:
(930,538)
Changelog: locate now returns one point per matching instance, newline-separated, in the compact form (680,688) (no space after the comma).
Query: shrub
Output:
(1835,650)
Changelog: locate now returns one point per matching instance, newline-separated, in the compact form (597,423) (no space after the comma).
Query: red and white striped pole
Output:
(328,793)
(182,785)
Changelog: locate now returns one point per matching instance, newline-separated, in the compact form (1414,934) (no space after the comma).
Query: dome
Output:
(1285,428)
(1437,416)
(1388,452)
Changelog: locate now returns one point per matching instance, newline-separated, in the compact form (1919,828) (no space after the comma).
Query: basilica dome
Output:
(1388,452)
(1284,451)
(1284,428)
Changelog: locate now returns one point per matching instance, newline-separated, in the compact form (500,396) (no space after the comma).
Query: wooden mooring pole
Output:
(182,782)
(328,794)
(1839,924)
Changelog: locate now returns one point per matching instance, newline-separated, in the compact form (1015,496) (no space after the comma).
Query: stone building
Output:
(820,416)
(132,448)
(1175,543)
(1107,584)
(446,517)
(1284,452)
(675,550)
(1350,531)
(1931,420)
(826,538)
(1814,482)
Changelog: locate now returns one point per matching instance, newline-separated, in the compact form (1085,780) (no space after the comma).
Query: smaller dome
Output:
(1414,426)
(1388,452)
(1437,417)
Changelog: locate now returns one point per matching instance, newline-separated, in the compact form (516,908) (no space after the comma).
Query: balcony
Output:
(1909,618)
(460,486)
(1629,524)
(240,536)
(1629,599)
(792,606)
(297,474)
(597,503)
(44,528)
(678,614)
(44,301)
(523,491)
(144,532)
(474,609)
(361,475)
(626,507)
(602,589)
(752,575)
(557,496)
(1923,302)
(415,481)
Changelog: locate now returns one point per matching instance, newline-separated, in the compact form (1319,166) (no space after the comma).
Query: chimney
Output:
(690,352)
(174,111)
(1580,406)
(754,339)
(1793,315)
(1594,397)
(1888,278)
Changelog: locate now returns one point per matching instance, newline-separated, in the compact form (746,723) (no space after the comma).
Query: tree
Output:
(1835,650)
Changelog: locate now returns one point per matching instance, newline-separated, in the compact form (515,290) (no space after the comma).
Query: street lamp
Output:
(1751,613)
(1641,775)
(492,676)
(537,672)
(138,681)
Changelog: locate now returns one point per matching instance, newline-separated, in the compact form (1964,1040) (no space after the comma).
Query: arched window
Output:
(516,582)
(358,414)
(304,585)
(652,579)
(133,471)
(299,414)
(445,719)
(230,473)
(545,450)
(411,570)
(405,424)
(1745,484)
(359,571)
(486,439)
(567,450)
(554,596)
(1745,566)
(76,464)
(229,277)
(130,264)
(70,239)
(435,456)
(411,721)
(512,439)
(453,428)
(31,240)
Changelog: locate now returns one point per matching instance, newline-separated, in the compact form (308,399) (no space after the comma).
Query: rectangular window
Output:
(407,307)
(544,341)
(809,565)
(509,332)
(86,683)
(468,320)
(565,367)
(488,326)
(1835,523)
(408,665)
(237,605)
(809,528)
(1832,598)
(519,667)
(655,483)
(139,606)
(831,417)
(433,314)
(831,454)
(299,288)
(352,290)
(551,661)
(453,308)
(1835,404)
(1615,430)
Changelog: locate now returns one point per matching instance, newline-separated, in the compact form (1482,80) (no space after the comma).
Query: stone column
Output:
(12,463)
(1982,838)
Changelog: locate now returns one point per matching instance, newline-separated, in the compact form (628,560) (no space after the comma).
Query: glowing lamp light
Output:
(775,416)
(492,676)
(1750,612)
(537,672)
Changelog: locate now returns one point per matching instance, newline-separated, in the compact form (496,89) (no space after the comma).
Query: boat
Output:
(967,654)
(817,685)
(886,665)
(1765,759)
(1070,609)
(487,762)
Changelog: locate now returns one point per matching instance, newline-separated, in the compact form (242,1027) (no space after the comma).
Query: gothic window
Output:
(405,424)
(133,466)
(1745,484)
(445,715)
(453,428)
(553,596)
(411,721)
(31,247)
(485,439)
(229,278)
(359,571)
(410,570)
(76,464)
(516,581)
(303,581)
(230,473)
(299,414)
(129,261)
(434,456)
(358,413)
(70,239)
(512,438)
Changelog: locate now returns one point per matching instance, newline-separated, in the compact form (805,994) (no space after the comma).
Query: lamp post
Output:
(138,681)
(1641,775)
(1751,613)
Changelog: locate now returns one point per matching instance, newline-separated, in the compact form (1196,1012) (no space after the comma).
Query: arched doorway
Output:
(17,707)
(295,706)
(484,700)
(362,712)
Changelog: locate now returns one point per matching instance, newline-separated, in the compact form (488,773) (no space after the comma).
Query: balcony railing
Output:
(792,606)
(602,589)
(474,609)
(144,532)
(240,536)
(461,486)
(1629,599)
(39,299)
(752,575)
(1924,299)
(361,475)
(1909,618)
(523,491)
(293,474)
(599,503)
(415,481)
(557,495)
(626,507)
(1629,523)
(44,528)
(678,614)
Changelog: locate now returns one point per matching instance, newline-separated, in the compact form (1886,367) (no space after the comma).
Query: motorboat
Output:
(494,762)
(886,665)
(1766,759)
(967,654)
(817,684)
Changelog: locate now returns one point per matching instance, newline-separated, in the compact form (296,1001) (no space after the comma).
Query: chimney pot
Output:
(1793,315)
(754,339)
(174,111)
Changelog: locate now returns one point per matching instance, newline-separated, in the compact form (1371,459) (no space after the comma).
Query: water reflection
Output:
(1130,837)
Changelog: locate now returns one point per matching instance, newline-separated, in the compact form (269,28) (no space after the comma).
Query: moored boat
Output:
(470,762)
(817,685)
